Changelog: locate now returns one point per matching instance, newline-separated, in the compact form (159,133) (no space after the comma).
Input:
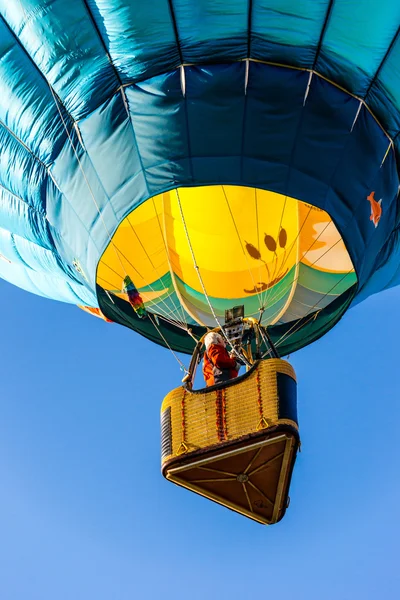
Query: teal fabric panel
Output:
(45,285)
(26,104)
(287,31)
(139,36)
(18,216)
(274,103)
(125,122)
(156,106)
(20,172)
(215,103)
(210,30)
(384,94)
(109,134)
(63,43)
(357,37)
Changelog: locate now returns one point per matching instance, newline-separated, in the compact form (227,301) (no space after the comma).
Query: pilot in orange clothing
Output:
(218,365)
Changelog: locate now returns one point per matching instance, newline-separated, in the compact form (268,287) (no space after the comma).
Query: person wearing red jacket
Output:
(218,365)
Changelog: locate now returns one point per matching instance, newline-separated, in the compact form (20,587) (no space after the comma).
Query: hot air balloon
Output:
(180,166)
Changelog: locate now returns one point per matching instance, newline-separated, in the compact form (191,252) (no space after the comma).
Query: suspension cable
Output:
(297,326)
(305,253)
(183,367)
(197,268)
(175,310)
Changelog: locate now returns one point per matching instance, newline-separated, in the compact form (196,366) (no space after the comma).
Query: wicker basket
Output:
(235,443)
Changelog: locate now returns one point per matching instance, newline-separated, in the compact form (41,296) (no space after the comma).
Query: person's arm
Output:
(221,359)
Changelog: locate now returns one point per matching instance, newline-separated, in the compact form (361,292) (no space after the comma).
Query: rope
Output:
(166,314)
(166,248)
(312,264)
(156,269)
(314,315)
(201,279)
(181,364)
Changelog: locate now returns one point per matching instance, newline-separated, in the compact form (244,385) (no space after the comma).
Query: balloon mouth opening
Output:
(193,253)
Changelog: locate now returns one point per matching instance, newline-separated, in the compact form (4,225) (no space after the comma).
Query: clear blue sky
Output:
(85,513)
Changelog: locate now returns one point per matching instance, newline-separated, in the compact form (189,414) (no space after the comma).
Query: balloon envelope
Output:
(245,155)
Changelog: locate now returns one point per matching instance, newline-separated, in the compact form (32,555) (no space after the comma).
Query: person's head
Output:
(214,338)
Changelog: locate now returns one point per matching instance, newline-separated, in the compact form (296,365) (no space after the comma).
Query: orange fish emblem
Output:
(376,209)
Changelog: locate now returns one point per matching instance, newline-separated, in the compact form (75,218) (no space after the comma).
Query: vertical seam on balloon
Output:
(189,148)
(129,115)
(184,92)
(41,74)
(50,175)
(39,161)
(102,42)
(382,63)
(22,143)
(57,100)
(35,158)
(123,95)
(175,27)
(249,26)
(50,248)
(30,206)
(243,131)
(330,180)
(323,31)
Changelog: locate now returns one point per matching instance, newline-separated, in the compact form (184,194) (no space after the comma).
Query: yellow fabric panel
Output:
(247,244)
(321,246)
(219,232)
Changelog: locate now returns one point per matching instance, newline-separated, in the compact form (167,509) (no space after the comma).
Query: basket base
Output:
(250,476)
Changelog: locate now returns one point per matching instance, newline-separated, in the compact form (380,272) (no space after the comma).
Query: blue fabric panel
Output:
(108,133)
(215,106)
(45,285)
(324,130)
(63,42)
(384,96)
(210,30)
(24,220)
(158,106)
(334,179)
(357,37)
(358,174)
(76,177)
(139,36)
(69,217)
(387,275)
(109,137)
(20,172)
(274,104)
(385,186)
(37,258)
(85,296)
(26,103)
(8,249)
(18,250)
(287,31)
